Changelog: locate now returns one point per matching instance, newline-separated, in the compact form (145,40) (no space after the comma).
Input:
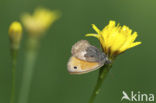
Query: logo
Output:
(138,96)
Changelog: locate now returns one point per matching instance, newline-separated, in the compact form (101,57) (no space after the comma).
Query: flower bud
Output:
(15,34)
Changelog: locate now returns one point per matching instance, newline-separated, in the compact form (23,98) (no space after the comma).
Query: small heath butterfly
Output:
(85,58)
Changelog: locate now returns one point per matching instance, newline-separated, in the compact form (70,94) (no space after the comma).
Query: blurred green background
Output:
(134,70)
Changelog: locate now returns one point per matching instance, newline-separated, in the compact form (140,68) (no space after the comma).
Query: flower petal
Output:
(95,28)
(135,44)
(94,35)
(134,35)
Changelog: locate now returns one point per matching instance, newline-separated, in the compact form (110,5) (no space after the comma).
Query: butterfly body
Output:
(85,58)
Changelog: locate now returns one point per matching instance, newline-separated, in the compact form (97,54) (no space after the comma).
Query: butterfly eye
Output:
(75,67)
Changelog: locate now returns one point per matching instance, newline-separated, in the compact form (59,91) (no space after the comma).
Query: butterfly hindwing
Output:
(79,49)
(85,51)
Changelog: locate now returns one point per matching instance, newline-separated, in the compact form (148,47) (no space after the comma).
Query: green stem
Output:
(14,56)
(28,70)
(102,75)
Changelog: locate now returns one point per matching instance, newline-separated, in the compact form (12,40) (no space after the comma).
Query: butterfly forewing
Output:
(77,66)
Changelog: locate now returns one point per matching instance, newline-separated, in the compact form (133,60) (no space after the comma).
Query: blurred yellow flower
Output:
(115,39)
(15,34)
(39,21)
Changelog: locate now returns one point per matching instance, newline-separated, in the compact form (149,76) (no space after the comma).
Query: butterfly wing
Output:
(77,66)
(79,49)
(87,52)
(93,54)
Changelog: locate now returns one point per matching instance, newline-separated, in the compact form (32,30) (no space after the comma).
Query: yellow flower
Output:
(15,34)
(115,39)
(39,21)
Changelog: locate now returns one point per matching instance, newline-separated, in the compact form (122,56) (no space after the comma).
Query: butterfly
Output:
(85,58)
